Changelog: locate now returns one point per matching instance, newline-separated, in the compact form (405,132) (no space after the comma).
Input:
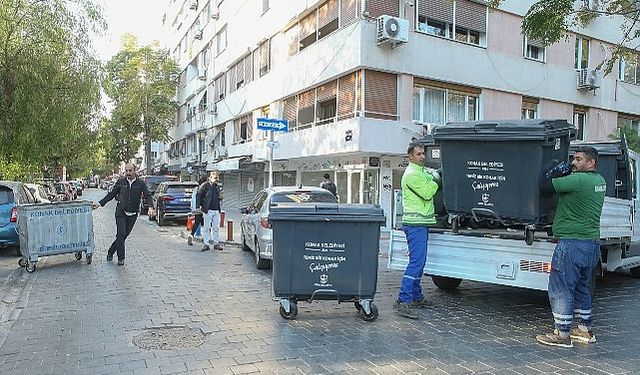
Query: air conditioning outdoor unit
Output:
(215,13)
(193,4)
(392,30)
(198,34)
(202,74)
(589,79)
(213,108)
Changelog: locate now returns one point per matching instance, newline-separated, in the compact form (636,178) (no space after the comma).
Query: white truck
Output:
(502,255)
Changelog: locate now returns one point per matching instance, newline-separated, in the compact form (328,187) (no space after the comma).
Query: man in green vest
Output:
(418,189)
(577,226)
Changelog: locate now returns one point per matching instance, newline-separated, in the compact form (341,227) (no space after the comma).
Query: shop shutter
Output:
(327,13)
(377,8)
(348,12)
(231,187)
(380,96)
(471,15)
(347,96)
(245,194)
(441,10)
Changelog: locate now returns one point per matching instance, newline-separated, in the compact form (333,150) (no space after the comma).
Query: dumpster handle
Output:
(324,292)
(486,212)
(482,128)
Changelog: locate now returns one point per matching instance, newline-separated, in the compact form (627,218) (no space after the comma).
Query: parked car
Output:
(172,200)
(39,193)
(254,226)
(152,184)
(92,184)
(64,191)
(12,194)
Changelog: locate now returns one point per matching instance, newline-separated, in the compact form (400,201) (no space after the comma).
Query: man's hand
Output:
(95,205)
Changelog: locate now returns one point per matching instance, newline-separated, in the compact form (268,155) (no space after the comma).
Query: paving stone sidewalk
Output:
(82,319)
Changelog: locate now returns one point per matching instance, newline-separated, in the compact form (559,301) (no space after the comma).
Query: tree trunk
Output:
(147,154)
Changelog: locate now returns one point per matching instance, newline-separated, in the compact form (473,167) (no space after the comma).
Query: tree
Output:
(631,136)
(49,85)
(141,82)
(549,20)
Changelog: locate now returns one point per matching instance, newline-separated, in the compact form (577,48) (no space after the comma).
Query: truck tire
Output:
(635,272)
(446,283)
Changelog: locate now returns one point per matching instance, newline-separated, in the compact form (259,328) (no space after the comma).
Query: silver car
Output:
(256,231)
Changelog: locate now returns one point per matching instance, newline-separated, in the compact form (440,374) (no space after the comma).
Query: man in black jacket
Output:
(128,191)
(209,200)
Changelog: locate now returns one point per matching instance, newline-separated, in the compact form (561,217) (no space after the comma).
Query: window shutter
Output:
(347,96)
(380,95)
(377,8)
(348,12)
(265,57)
(306,99)
(290,110)
(292,38)
(420,82)
(249,119)
(535,43)
(248,69)
(530,100)
(236,130)
(327,91)
(233,78)
(471,15)
(308,25)
(327,13)
(441,10)
(240,72)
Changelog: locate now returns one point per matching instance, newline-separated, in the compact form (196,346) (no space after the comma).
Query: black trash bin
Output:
(491,169)
(613,165)
(326,251)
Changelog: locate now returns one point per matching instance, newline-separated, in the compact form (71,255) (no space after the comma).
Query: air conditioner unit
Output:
(193,4)
(198,34)
(202,74)
(392,30)
(213,108)
(215,13)
(589,79)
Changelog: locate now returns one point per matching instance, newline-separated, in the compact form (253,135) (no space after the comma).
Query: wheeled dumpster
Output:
(492,169)
(325,251)
(52,229)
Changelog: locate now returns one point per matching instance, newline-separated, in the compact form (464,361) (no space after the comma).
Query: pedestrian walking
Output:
(418,189)
(327,184)
(210,203)
(127,190)
(577,226)
(195,211)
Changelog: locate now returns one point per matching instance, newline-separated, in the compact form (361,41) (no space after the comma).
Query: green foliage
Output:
(549,20)
(630,135)
(49,86)
(141,81)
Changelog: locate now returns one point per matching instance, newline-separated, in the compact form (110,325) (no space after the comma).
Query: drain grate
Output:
(169,338)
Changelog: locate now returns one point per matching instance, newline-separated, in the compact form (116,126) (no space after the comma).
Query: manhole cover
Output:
(169,338)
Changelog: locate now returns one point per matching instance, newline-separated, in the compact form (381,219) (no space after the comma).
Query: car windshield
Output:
(180,189)
(6,195)
(153,181)
(303,197)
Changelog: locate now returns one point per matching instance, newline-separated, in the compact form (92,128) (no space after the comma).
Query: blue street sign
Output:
(273,124)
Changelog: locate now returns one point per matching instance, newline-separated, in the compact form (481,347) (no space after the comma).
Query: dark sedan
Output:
(12,194)
(172,200)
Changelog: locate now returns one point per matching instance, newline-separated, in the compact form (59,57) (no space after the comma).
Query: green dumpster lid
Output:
(499,130)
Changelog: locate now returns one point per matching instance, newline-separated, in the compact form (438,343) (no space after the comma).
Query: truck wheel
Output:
(446,283)
(635,271)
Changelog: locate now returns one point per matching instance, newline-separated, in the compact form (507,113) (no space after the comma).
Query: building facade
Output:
(357,86)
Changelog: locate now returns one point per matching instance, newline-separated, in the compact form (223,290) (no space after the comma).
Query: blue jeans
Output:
(410,289)
(571,271)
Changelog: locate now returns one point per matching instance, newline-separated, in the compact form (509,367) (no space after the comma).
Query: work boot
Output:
(217,247)
(190,240)
(205,248)
(421,303)
(554,339)
(121,262)
(580,335)
(405,309)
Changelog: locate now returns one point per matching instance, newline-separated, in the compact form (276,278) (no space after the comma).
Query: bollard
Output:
(222,217)
(229,230)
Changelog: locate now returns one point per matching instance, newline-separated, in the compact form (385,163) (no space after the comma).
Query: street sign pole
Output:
(272,125)
(270,144)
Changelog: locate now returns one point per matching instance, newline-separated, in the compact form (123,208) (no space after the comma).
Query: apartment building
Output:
(358,79)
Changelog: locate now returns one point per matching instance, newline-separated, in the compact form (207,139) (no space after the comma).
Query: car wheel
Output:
(245,247)
(261,264)
(161,220)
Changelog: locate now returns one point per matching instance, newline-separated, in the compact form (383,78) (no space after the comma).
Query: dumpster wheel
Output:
(292,313)
(89,258)
(30,267)
(78,255)
(22,262)
(373,315)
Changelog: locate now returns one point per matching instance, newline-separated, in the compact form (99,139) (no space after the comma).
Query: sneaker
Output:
(109,257)
(405,309)
(217,247)
(580,335)
(554,339)
(421,303)
(190,240)
(121,262)
(205,248)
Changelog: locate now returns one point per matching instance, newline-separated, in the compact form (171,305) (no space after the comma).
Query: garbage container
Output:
(491,169)
(55,228)
(613,165)
(326,251)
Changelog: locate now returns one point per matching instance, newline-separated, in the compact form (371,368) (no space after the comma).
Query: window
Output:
(219,85)
(580,122)
(313,27)
(243,129)
(327,18)
(265,6)
(582,53)
(264,58)
(154,154)
(183,43)
(461,20)
(529,108)
(629,121)
(437,106)
(630,69)
(221,40)
(534,49)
